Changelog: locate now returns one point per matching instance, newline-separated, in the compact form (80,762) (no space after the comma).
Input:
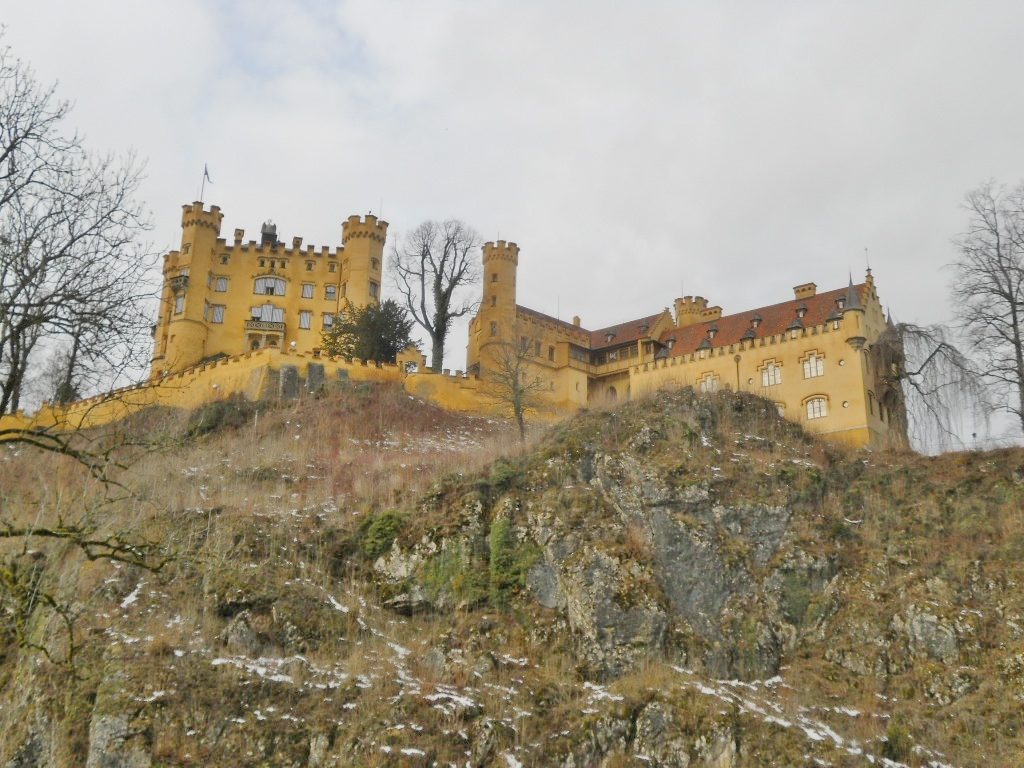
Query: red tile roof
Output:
(622,333)
(774,320)
(548,318)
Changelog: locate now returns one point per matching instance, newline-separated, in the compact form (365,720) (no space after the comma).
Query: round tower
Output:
(496,318)
(362,259)
(180,337)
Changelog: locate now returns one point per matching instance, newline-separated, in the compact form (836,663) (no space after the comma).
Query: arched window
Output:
(269,286)
(817,408)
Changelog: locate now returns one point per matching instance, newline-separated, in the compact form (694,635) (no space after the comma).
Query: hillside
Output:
(365,580)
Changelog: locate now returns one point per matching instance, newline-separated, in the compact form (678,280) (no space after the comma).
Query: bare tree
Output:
(432,266)
(511,378)
(923,376)
(72,270)
(989,291)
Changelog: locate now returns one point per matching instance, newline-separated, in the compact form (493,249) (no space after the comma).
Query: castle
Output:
(811,355)
(814,355)
(221,299)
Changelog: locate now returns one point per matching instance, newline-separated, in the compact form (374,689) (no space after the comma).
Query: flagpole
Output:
(202,186)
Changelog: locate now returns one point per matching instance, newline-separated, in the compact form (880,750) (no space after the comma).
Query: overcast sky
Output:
(634,151)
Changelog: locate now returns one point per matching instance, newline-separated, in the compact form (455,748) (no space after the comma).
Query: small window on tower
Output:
(309,266)
(536,348)
(494,329)
(551,353)
(494,277)
(332,267)
(179,303)
(374,289)
(375,264)
(224,259)
(494,301)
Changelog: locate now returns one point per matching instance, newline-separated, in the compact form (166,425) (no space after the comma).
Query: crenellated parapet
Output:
(196,215)
(501,251)
(368,227)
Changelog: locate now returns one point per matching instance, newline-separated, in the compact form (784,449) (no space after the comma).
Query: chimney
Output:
(576,320)
(805,290)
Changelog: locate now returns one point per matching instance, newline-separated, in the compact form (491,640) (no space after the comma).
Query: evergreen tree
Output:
(374,332)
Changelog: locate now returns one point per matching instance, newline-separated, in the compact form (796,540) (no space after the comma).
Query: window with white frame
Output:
(814,366)
(305,319)
(817,408)
(221,285)
(328,322)
(217,313)
(331,292)
(307,290)
(268,313)
(269,286)
(771,374)
(179,303)
(709,384)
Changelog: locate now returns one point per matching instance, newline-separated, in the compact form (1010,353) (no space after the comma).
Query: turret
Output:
(362,259)
(691,310)
(853,317)
(181,330)
(496,317)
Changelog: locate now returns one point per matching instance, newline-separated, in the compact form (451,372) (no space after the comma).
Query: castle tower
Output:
(690,310)
(180,334)
(495,321)
(362,259)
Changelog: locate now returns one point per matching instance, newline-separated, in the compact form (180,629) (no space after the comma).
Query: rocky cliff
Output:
(682,581)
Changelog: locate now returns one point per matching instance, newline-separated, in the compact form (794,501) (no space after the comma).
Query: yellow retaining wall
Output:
(247,374)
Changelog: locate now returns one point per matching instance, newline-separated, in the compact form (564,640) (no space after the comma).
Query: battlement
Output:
(506,251)
(369,227)
(196,214)
(692,309)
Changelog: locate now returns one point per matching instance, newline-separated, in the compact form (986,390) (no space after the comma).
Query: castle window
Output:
(305,319)
(494,301)
(268,313)
(494,328)
(309,266)
(186,248)
(269,286)
(328,321)
(494,277)
(344,290)
(755,321)
(224,258)
(814,366)
(536,348)
(332,267)
(263,262)
(841,302)
(374,289)
(709,384)
(217,313)
(551,353)
(331,292)
(307,290)
(801,311)
(613,356)
(771,374)
(179,303)
(221,286)
(375,264)
(524,344)
(817,408)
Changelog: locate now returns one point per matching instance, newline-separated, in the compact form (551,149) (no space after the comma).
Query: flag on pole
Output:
(206,174)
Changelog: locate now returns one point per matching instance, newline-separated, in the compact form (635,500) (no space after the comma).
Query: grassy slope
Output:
(266,643)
